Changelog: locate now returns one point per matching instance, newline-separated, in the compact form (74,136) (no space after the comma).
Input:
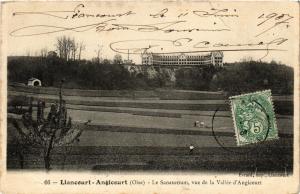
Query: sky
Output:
(260,31)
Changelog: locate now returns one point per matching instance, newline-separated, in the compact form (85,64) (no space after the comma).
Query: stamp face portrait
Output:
(254,117)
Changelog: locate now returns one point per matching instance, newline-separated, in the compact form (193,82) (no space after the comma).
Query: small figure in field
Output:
(202,124)
(191,149)
(199,124)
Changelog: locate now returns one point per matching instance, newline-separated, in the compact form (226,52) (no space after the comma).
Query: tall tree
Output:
(118,59)
(44,52)
(98,52)
(81,48)
(65,45)
(55,130)
(68,48)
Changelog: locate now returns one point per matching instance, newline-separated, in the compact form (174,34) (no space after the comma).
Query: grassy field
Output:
(153,131)
(283,105)
(267,156)
(161,94)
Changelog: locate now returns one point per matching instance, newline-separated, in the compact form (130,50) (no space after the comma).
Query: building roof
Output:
(181,53)
(31,79)
(217,53)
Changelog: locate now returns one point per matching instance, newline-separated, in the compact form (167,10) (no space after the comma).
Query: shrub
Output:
(55,130)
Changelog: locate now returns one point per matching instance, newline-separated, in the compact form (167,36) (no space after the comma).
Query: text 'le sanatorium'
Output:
(161,182)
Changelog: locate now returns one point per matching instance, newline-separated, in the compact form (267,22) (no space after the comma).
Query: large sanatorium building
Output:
(181,59)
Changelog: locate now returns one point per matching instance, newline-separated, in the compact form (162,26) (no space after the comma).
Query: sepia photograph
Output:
(151,87)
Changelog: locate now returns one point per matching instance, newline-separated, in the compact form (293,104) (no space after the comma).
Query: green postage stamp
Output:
(254,117)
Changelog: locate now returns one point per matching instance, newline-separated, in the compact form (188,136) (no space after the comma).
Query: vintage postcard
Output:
(159,97)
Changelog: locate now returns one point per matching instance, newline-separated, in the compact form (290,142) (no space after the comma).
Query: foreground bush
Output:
(54,130)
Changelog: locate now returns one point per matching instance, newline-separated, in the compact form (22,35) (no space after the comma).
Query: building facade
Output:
(182,59)
(34,82)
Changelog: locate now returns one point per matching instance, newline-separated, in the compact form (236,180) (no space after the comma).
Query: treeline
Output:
(252,76)
(83,74)
(111,75)
(239,77)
